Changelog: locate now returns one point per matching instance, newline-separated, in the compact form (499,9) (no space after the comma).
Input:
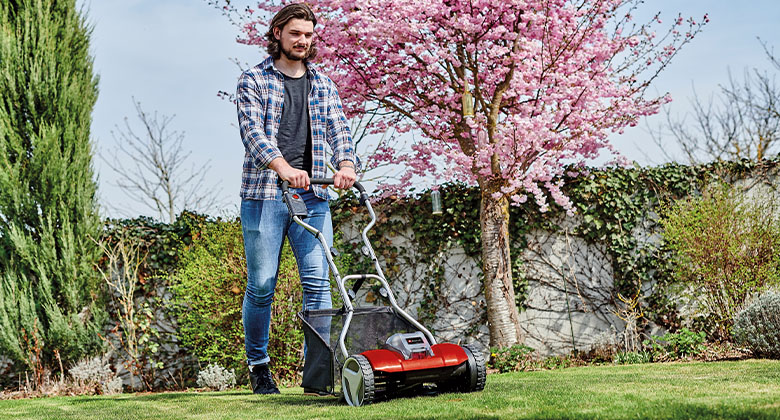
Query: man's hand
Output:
(344,178)
(296,177)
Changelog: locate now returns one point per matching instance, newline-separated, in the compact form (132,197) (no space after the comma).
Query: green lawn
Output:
(723,390)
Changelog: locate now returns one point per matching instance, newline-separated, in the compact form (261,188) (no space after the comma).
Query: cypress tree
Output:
(48,207)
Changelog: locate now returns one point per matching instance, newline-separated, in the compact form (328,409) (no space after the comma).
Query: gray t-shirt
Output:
(294,136)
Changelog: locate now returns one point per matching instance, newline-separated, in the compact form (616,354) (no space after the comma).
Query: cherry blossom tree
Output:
(505,95)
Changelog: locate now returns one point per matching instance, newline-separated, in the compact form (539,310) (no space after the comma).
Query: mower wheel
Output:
(472,380)
(477,371)
(357,381)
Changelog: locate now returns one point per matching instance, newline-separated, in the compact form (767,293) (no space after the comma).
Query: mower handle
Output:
(363,198)
(360,278)
(323,181)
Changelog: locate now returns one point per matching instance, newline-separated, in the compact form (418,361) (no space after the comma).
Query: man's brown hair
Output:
(282,18)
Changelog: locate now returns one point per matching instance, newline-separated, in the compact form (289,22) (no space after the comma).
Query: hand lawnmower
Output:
(379,351)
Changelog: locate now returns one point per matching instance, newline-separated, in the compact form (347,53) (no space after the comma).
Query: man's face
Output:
(295,38)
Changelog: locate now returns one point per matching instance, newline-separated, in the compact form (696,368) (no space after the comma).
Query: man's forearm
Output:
(279,165)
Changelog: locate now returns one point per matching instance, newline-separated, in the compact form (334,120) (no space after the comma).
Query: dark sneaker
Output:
(261,380)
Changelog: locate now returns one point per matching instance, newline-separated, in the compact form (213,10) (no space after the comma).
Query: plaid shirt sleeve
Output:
(338,135)
(252,106)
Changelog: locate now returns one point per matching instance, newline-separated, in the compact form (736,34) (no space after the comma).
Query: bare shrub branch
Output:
(740,121)
(152,167)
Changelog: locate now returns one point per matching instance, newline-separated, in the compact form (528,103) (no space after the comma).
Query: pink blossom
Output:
(560,98)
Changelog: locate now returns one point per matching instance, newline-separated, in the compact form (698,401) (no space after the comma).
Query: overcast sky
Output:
(175,55)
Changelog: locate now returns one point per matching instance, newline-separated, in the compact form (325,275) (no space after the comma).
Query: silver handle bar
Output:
(364,199)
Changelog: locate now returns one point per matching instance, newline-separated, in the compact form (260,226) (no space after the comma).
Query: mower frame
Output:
(451,367)
(360,278)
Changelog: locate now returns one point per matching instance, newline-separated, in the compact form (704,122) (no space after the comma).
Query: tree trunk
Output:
(503,316)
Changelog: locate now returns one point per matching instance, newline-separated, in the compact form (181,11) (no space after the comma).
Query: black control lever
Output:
(355,287)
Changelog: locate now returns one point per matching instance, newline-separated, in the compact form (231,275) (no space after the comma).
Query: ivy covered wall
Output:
(573,276)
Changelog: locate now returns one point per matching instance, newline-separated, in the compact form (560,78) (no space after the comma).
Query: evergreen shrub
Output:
(48,206)
(757,326)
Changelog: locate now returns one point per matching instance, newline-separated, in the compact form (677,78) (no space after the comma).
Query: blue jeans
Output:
(265,223)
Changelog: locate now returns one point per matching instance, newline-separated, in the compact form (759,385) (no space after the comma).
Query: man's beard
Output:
(289,54)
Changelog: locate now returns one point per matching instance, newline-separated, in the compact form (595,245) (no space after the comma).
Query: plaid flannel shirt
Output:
(259,99)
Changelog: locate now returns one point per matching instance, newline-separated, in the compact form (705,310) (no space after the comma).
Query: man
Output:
(287,112)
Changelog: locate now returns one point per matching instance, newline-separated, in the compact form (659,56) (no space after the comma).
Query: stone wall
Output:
(570,302)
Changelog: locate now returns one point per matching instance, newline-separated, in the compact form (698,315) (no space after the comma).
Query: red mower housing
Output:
(390,361)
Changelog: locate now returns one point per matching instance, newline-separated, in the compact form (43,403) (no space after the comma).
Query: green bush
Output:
(208,288)
(757,326)
(682,344)
(285,345)
(510,359)
(725,248)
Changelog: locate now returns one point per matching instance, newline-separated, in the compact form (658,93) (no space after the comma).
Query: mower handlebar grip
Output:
(323,181)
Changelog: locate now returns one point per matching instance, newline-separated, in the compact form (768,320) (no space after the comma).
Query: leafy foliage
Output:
(209,285)
(725,248)
(133,331)
(510,359)
(757,326)
(159,241)
(159,361)
(632,357)
(682,344)
(458,225)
